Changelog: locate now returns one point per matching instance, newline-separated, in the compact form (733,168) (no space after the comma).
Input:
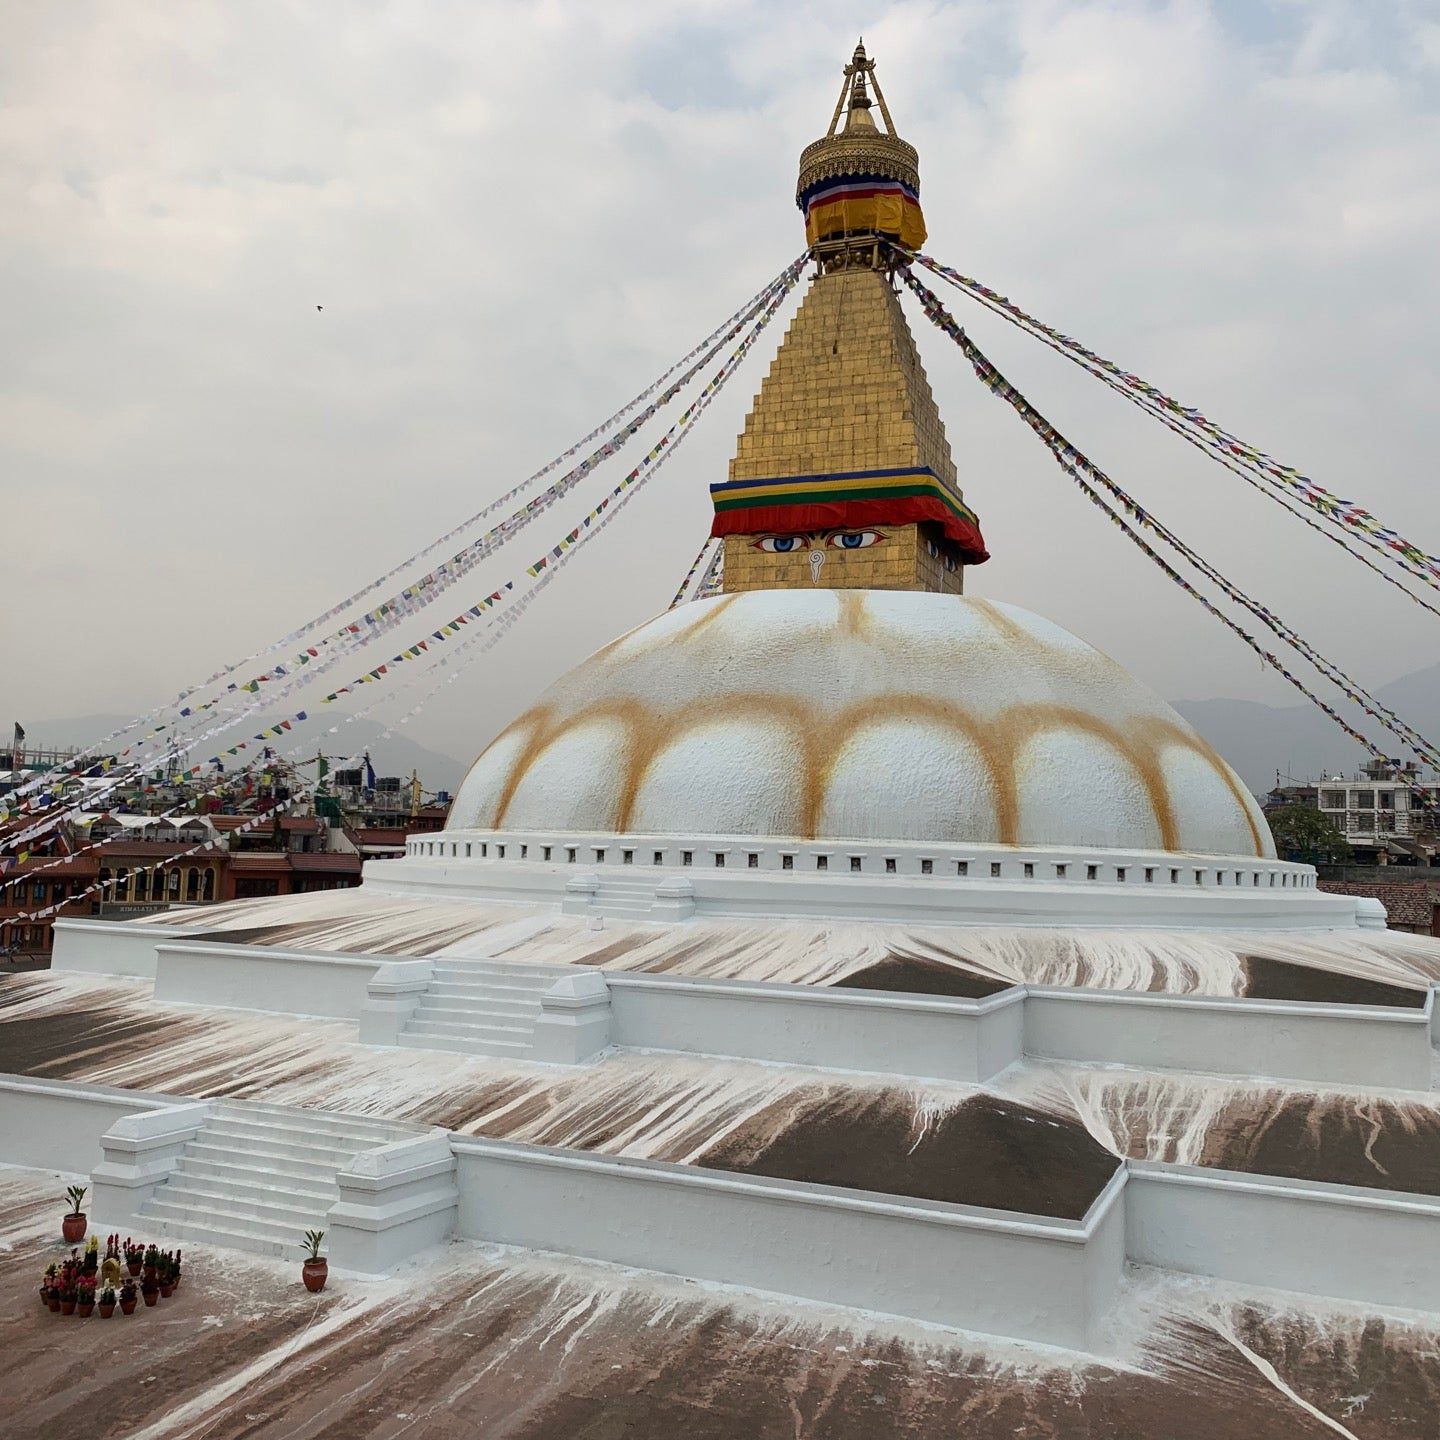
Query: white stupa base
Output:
(667,878)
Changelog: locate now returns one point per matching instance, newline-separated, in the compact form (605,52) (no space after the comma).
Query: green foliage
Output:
(1308,832)
(312,1243)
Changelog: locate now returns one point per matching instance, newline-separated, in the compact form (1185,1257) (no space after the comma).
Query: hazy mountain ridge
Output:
(1301,742)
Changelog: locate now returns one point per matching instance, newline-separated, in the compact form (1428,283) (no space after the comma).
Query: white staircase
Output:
(257,1176)
(479,1007)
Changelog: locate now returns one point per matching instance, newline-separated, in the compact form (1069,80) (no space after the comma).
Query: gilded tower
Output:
(843,477)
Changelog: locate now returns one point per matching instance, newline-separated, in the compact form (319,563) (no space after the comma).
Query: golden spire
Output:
(859,185)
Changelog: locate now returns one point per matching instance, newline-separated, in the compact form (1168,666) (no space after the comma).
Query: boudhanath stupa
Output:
(845,1004)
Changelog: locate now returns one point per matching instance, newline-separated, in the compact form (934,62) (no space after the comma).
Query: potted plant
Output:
(92,1255)
(165,1275)
(75,1222)
(67,1291)
(149,1287)
(176,1268)
(316,1267)
(85,1296)
(48,1284)
(128,1297)
(134,1256)
(152,1263)
(107,1302)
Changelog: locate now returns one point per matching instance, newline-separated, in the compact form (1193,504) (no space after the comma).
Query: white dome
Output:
(860,715)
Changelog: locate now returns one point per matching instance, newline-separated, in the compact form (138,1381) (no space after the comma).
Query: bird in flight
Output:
(319,307)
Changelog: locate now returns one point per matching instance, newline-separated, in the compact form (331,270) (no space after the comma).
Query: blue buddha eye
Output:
(855,539)
(781,544)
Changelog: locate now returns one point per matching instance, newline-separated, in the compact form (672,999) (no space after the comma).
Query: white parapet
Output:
(395,1201)
(1344,1241)
(928,1035)
(113,947)
(263,977)
(140,1155)
(1283,1039)
(575,1019)
(391,995)
(1032,1277)
(59,1124)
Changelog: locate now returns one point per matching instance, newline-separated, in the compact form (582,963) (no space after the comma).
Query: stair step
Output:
(283,1133)
(441,1022)
(462,998)
(260,1183)
(279,1210)
(202,1232)
(499,969)
(293,1146)
(447,1007)
(456,1045)
(221,1151)
(375,1129)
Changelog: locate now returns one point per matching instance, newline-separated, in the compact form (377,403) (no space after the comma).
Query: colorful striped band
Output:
(845,500)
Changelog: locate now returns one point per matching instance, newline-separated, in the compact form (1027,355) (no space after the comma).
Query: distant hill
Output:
(1298,740)
(395,756)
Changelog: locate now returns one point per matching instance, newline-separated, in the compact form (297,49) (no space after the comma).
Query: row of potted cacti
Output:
(83,1283)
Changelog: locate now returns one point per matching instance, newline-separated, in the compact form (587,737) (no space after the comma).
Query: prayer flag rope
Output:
(1083,471)
(1332,507)
(1346,538)
(728,328)
(656,455)
(694,566)
(605,512)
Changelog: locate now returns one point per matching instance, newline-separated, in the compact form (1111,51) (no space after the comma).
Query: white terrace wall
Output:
(1294,1040)
(953,1039)
(1374,1246)
(1034,1277)
(113,947)
(59,1124)
(256,977)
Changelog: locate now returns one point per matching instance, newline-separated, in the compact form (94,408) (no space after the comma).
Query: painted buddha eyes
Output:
(839,539)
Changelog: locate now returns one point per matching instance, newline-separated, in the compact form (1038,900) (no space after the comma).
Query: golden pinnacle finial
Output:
(859,185)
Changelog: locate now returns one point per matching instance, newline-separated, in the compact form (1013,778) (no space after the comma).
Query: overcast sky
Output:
(515,216)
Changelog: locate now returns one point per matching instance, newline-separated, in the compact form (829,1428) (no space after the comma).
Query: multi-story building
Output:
(1387,814)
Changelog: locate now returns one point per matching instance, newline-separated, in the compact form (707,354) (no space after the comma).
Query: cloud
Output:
(516,216)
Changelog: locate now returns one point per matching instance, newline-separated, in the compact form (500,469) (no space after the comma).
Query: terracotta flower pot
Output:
(106,1311)
(73,1228)
(166,1289)
(127,1307)
(314,1273)
(134,1266)
(86,1310)
(150,1296)
(67,1307)
(55,1303)
(150,1273)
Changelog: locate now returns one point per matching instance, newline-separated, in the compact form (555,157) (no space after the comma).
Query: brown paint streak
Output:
(848,723)
(1020,724)
(1160,732)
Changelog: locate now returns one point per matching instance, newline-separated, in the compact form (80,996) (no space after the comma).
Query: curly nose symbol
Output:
(817,559)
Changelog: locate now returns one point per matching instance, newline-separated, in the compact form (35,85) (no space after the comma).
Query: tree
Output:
(1302,830)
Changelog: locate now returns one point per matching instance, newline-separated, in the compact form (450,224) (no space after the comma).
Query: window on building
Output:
(927,867)
(1332,799)
(1362,799)
(752,861)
